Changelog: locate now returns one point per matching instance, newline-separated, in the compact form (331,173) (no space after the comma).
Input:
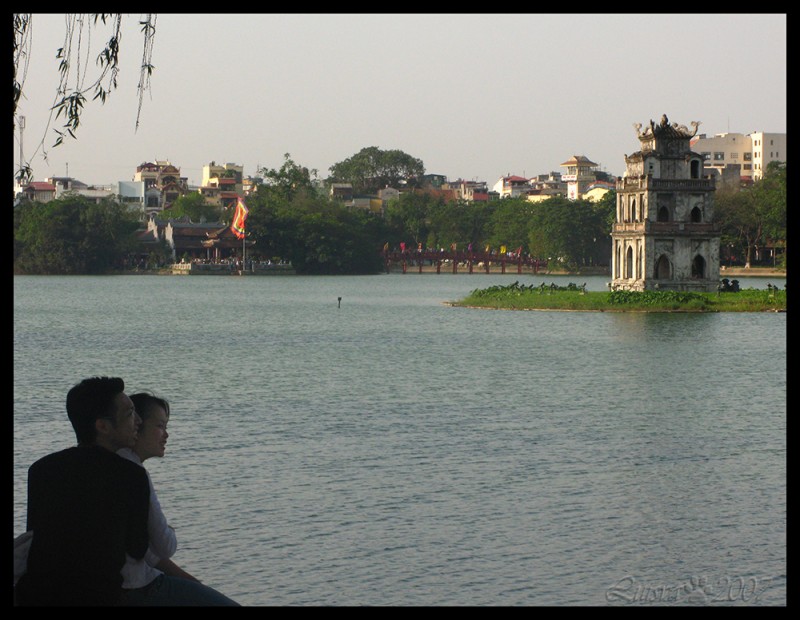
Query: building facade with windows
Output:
(580,174)
(751,153)
(511,186)
(222,184)
(163,184)
(767,147)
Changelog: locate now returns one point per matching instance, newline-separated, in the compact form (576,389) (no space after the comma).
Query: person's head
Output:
(154,412)
(102,414)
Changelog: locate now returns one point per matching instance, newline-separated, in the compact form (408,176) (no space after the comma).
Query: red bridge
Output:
(452,260)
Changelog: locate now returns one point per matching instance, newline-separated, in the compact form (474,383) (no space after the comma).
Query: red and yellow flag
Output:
(239,218)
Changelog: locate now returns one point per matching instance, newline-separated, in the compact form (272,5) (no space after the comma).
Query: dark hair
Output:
(146,402)
(90,400)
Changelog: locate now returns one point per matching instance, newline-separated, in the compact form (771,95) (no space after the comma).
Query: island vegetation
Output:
(576,298)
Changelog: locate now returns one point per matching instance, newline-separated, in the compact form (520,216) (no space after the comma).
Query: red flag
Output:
(239,218)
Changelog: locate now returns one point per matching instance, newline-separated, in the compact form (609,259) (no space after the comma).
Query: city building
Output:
(746,154)
(472,191)
(580,177)
(66,186)
(163,184)
(581,172)
(664,236)
(341,191)
(597,189)
(222,184)
(39,191)
(133,194)
(511,186)
(436,181)
(767,147)
(250,184)
(546,186)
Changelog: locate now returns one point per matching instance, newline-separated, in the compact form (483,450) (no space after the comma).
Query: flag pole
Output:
(244,235)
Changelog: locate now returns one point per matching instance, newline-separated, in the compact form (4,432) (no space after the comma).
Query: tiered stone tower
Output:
(665,237)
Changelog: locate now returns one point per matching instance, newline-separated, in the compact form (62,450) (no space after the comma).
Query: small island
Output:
(665,243)
(576,298)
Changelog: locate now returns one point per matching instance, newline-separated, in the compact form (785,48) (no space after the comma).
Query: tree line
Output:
(754,219)
(293,218)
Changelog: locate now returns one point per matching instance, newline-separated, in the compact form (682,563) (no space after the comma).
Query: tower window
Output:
(698,267)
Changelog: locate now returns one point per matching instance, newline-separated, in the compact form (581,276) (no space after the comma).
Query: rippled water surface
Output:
(393,450)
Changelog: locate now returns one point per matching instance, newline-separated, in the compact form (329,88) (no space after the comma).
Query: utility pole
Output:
(21,125)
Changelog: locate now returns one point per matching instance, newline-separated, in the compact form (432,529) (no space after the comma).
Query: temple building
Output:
(664,237)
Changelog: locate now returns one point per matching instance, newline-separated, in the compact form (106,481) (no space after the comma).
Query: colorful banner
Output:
(239,218)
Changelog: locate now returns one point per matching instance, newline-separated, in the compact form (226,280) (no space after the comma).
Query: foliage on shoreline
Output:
(518,296)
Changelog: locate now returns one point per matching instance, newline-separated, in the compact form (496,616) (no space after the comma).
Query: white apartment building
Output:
(767,147)
(511,186)
(751,152)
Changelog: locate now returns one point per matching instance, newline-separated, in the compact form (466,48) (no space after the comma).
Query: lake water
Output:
(392,450)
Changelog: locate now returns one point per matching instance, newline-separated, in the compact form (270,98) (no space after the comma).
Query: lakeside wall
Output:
(260,269)
(225,269)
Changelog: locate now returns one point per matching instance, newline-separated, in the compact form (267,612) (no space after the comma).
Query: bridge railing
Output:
(482,261)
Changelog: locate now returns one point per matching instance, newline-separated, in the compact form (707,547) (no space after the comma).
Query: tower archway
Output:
(629,262)
(663,268)
(699,267)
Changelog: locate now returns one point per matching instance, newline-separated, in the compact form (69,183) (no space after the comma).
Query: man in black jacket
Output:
(87,506)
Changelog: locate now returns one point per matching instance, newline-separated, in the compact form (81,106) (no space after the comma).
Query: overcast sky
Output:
(474,96)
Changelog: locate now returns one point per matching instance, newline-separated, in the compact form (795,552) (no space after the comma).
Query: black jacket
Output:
(87,508)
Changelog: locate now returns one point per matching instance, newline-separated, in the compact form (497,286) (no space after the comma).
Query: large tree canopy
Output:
(72,236)
(291,181)
(754,216)
(372,169)
(195,206)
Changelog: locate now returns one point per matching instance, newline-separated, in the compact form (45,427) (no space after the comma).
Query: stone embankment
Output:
(740,272)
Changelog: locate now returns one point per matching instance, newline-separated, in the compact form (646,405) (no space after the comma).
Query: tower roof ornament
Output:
(666,130)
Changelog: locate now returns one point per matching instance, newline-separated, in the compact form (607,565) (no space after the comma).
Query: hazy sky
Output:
(475,96)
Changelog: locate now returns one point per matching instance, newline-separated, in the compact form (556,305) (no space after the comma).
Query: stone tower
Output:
(665,237)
